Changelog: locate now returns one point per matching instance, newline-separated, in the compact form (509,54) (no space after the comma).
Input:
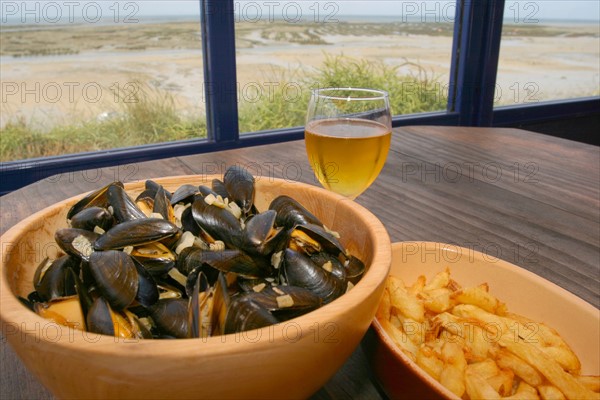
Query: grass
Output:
(150,118)
(153,117)
(409,93)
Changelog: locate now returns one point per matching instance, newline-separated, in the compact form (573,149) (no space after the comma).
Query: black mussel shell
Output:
(77,242)
(171,317)
(198,319)
(154,187)
(227,261)
(240,186)
(244,314)
(326,240)
(184,194)
(52,279)
(162,205)
(116,277)
(355,269)
(96,198)
(217,222)
(291,213)
(147,293)
(218,187)
(99,318)
(90,217)
(123,208)
(260,236)
(331,264)
(136,233)
(300,270)
(284,301)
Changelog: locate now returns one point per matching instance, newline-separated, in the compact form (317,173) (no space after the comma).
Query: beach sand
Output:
(45,86)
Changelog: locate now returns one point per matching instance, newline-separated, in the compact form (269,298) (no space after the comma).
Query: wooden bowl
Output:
(577,321)
(288,360)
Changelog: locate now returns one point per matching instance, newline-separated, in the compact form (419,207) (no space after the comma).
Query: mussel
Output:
(300,270)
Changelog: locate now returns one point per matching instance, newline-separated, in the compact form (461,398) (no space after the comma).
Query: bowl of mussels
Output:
(192,287)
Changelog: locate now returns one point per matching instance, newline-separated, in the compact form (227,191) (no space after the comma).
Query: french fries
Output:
(467,340)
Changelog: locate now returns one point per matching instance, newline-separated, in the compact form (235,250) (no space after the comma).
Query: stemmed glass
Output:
(348,133)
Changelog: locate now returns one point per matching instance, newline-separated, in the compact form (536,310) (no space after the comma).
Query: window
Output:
(550,50)
(94,75)
(285,48)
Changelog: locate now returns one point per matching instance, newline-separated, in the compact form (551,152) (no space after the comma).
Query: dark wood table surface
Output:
(527,198)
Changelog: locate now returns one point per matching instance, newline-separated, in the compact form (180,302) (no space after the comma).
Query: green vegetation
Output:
(147,119)
(285,105)
(153,117)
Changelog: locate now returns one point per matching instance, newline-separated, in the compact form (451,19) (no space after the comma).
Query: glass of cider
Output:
(348,133)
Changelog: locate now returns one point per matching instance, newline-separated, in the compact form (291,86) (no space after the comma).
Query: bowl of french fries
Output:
(455,323)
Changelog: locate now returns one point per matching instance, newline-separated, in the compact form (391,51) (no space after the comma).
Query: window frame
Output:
(474,66)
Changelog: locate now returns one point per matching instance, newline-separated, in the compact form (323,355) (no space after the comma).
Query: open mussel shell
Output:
(145,201)
(199,307)
(355,269)
(96,198)
(239,183)
(136,233)
(156,258)
(64,311)
(92,217)
(260,235)
(291,213)
(227,261)
(124,209)
(116,277)
(52,279)
(77,242)
(331,264)
(171,317)
(329,242)
(209,275)
(147,292)
(300,270)
(102,319)
(184,194)
(221,303)
(162,205)
(154,187)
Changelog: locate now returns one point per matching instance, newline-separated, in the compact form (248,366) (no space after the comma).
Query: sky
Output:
(442,10)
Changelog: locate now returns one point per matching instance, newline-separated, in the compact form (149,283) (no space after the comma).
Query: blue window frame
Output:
(476,48)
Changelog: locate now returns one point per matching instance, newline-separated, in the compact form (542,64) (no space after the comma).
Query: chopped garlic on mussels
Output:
(178,276)
(83,245)
(258,288)
(284,301)
(276,259)
(217,245)
(186,240)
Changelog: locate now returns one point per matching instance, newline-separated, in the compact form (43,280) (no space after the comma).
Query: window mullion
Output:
(476,48)
(220,80)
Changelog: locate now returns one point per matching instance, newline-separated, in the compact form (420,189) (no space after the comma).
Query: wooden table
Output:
(530,199)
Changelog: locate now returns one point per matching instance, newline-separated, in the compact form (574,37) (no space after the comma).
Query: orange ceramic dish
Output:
(524,293)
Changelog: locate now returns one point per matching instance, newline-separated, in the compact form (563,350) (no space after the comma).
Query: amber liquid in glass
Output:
(347,154)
